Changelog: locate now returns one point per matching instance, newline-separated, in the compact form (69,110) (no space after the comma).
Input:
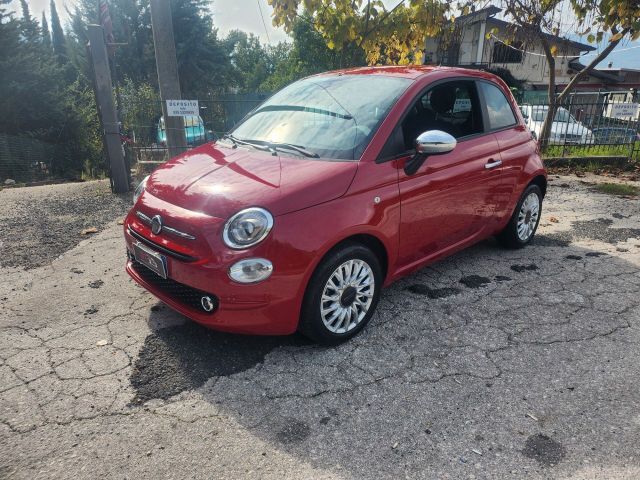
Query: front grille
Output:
(160,248)
(179,292)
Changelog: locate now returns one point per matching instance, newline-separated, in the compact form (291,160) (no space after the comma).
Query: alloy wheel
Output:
(528,216)
(347,296)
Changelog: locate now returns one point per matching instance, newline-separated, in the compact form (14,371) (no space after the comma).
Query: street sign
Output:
(625,111)
(181,108)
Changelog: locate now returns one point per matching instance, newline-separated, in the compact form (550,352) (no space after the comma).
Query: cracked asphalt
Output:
(490,364)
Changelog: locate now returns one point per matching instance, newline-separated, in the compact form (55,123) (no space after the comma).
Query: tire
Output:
(357,297)
(525,219)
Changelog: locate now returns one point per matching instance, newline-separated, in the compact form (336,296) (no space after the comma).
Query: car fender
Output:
(533,168)
(307,247)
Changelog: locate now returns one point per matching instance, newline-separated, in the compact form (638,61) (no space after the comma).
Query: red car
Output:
(334,187)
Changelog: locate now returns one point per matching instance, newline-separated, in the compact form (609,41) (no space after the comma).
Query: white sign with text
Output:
(181,108)
(623,110)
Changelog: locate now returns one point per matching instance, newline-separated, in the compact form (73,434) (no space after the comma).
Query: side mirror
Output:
(431,142)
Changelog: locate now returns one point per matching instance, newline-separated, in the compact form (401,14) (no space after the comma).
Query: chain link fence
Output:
(27,160)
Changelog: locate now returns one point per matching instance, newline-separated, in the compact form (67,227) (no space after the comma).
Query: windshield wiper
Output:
(296,148)
(251,143)
(298,108)
(271,146)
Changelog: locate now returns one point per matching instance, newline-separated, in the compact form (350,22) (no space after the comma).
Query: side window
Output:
(452,107)
(498,107)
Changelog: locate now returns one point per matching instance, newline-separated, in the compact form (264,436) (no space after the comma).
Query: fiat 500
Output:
(334,187)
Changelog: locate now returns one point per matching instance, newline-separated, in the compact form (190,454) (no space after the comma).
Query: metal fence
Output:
(145,135)
(27,160)
(588,124)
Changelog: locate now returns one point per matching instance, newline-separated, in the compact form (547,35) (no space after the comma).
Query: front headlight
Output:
(247,228)
(139,189)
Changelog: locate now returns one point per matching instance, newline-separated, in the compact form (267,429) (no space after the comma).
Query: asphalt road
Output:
(491,364)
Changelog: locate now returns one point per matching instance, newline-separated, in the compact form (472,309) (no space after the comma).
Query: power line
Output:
(264,23)
(558,56)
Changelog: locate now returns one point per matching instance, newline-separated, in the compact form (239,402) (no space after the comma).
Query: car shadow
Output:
(488,356)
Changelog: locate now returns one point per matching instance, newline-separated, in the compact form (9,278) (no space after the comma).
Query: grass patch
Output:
(618,189)
(582,151)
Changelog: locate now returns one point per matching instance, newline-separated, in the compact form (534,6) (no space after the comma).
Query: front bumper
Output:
(271,307)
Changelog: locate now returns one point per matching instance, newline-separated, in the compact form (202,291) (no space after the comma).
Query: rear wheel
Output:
(342,295)
(525,219)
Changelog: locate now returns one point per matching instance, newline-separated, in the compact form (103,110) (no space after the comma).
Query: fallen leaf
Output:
(101,343)
(89,230)
(554,220)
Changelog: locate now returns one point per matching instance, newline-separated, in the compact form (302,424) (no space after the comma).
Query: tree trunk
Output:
(551,93)
(554,101)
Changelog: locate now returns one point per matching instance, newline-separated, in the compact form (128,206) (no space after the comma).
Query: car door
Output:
(514,142)
(450,199)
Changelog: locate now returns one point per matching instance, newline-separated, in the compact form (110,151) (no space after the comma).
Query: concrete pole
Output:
(107,110)
(167,67)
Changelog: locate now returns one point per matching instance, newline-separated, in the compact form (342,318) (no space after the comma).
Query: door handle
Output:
(492,164)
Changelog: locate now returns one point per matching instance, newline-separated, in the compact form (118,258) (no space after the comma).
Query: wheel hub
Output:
(527,219)
(348,296)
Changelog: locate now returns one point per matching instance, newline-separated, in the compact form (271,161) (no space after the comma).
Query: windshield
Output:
(562,115)
(333,116)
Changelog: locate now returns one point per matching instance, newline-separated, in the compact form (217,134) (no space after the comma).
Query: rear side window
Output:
(498,107)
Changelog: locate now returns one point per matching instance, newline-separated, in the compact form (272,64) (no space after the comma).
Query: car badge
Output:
(156,225)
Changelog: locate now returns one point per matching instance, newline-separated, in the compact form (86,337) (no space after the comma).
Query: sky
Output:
(245,15)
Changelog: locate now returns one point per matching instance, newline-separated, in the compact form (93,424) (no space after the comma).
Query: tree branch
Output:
(601,56)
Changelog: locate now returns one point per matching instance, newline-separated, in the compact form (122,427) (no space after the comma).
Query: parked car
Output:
(615,135)
(565,129)
(194,130)
(336,186)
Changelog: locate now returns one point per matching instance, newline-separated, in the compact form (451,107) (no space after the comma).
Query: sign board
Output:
(625,111)
(462,105)
(181,108)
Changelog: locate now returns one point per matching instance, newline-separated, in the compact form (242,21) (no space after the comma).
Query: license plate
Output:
(150,259)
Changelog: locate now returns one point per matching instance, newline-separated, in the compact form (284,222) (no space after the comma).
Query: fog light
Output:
(207,303)
(251,270)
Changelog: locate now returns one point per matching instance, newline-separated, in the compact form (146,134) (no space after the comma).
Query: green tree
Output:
(46,35)
(203,64)
(250,60)
(57,35)
(615,19)
(131,20)
(29,26)
(35,98)
(307,55)
(392,36)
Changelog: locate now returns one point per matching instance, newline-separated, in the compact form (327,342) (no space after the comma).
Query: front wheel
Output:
(342,295)
(524,221)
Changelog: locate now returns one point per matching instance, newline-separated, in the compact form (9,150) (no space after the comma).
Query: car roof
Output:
(409,71)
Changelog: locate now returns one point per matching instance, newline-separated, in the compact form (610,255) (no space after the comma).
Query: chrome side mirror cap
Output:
(431,142)
(434,142)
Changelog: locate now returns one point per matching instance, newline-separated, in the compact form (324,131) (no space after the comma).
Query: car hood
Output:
(219,181)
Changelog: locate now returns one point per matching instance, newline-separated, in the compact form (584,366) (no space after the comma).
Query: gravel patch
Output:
(40,223)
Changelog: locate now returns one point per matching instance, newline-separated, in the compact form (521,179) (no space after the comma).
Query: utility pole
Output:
(167,67)
(107,110)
